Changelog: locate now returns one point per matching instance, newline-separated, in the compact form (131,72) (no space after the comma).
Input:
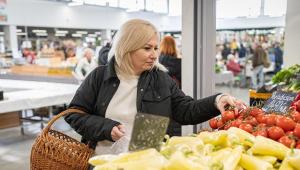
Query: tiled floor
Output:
(15,148)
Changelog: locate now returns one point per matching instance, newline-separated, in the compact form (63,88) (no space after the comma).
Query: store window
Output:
(238,8)
(275,8)
(175,7)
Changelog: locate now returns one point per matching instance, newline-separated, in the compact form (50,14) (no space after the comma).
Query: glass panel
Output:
(275,7)
(95,2)
(238,8)
(175,7)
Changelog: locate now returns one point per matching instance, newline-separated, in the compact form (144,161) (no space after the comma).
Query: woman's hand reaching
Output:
(225,99)
(117,132)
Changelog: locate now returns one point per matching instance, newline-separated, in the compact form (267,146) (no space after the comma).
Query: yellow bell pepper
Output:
(244,137)
(270,159)
(218,138)
(252,163)
(285,165)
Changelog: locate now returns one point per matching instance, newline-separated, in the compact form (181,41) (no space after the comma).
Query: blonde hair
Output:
(88,50)
(133,35)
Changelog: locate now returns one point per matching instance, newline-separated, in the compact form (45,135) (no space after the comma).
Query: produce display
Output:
(232,149)
(289,77)
(284,128)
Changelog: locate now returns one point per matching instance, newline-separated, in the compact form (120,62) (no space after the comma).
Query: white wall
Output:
(291,53)
(53,14)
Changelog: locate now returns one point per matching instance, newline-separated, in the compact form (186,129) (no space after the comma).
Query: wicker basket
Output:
(53,150)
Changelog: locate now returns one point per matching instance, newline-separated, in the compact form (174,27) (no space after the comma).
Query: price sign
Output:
(279,102)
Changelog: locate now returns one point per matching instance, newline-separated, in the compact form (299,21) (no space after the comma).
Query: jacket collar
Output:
(111,72)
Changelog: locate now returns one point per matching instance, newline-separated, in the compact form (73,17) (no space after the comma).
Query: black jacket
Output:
(157,94)
(173,65)
(103,54)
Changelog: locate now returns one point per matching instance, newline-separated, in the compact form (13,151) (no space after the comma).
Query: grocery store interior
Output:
(49,47)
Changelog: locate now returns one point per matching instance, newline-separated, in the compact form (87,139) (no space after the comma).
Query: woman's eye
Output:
(147,48)
(156,48)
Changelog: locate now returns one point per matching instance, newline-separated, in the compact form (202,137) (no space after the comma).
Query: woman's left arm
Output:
(186,110)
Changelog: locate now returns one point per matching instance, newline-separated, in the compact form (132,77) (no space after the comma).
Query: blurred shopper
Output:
(134,82)
(232,65)
(278,54)
(103,54)
(242,51)
(258,66)
(169,57)
(226,51)
(85,64)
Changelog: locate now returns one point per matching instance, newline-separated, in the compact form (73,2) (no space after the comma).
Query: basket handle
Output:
(64,113)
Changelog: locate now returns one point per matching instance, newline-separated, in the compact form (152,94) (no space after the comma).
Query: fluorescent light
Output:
(21,33)
(81,32)
(98,33)
(39,31)
(61,32)
(76,35)
(60,35)
(75,3)
(41,34)
(92,35)
(1,33)
(19,30)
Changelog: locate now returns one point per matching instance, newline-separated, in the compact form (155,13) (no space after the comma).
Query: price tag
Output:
(279,102)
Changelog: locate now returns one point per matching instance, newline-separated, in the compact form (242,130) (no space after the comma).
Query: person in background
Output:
(85,64)
(226,51)
(103,54)
(278,57)
(258,66)
(135,82)
(169,57)
(242,51)
(232,65)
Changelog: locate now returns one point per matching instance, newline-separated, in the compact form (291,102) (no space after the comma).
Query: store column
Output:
(198,48)
(105,36)
(11,41)
(291,53)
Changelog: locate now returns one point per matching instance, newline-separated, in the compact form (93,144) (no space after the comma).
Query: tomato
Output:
(296,116)
(271,119)
(297,104)
(275,132)
(256,111)
(213,123)
(297,130)
(236,123)
(261,118)
(262,126)
(228,115)
(220,124)
(287,141)
(285,123)
(289,133)
(251,120)
(262,132)
(227,125)
(298,146)
(246,127)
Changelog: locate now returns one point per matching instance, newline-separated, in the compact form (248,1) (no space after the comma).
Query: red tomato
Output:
(285,123)
(261,118)
(297,130)
(263,133)
(256,111)
(227,125)
(287,141)
(296,116)
(297,104)
(275,132)
(289,133)
(220,124)
(271,119)
(228,115)
(298,146)
(213,123)
(236,123)
(246,127)
(251,120)
(262,126)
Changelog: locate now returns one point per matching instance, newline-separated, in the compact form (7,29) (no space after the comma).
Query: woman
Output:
(85,64)
(133,82)
(170,58)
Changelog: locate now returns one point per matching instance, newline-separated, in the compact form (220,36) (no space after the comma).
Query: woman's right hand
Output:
(117,132)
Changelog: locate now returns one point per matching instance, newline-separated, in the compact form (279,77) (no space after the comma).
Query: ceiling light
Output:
(19,30)
(60,35)
(39,31)
(76,35)
(42,34)
(61,32)
(81,32)
(21,33)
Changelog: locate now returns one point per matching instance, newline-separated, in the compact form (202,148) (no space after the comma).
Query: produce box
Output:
(10,119)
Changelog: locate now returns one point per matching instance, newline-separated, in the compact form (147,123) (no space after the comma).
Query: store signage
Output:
(279,102)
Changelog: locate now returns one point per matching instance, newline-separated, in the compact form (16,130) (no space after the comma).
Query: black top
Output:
(173,65)
(157,94)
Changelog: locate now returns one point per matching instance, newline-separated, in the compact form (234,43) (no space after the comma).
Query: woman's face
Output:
(144,58)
